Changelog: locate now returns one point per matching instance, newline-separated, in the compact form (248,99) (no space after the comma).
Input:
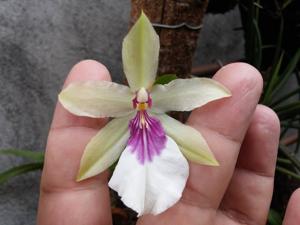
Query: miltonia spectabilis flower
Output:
(152,170)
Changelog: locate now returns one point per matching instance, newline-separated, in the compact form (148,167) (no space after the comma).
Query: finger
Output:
(85,70)
(292,215)
(62,199)
(249,194)
(223,124)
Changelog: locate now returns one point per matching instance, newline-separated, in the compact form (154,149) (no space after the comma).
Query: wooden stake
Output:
(177,45)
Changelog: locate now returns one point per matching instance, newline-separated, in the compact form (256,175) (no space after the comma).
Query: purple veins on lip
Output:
(147,136)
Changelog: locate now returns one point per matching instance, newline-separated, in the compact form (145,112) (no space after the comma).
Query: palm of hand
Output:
(243,136)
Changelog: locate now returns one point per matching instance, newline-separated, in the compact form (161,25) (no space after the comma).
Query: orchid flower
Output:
(152,147)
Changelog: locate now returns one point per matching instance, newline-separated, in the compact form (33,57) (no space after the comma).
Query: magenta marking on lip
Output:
(147,136)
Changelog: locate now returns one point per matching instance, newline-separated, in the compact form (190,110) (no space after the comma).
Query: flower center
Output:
(142,100)
(147,136)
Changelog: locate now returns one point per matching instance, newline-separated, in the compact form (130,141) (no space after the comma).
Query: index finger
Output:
(62,199)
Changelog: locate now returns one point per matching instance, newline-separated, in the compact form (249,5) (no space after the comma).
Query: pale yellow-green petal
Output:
(186,94)
(104,148)
(140,54)
(189,140)
(97,99)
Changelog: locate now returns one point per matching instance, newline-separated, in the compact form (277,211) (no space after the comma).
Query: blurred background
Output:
(41,40)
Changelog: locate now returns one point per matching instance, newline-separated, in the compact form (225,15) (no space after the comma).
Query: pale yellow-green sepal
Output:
(104,148)
(140,54)
(186,94)
(190,141)
(97,99)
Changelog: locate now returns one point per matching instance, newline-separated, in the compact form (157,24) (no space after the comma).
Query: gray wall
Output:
(40,40)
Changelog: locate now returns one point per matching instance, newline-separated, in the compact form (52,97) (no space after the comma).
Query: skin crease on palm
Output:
(242,134)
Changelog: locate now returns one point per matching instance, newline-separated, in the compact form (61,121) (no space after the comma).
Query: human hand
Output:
(242,135)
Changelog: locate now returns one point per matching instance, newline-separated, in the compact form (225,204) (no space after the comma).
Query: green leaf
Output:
(28,154)
(258,5)
(290,125)
(274,218)
(284,161)
(18,170)
(287,172)
(274,74)
(288,111)
(287,107)
(268,46)
(258,46)
(286,3)
(286,152)
(278,48)
(165,78)
(285,129)
(288,71)
(285,97)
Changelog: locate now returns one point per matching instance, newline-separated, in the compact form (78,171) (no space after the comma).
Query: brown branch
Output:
(206,70)
(292,139)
